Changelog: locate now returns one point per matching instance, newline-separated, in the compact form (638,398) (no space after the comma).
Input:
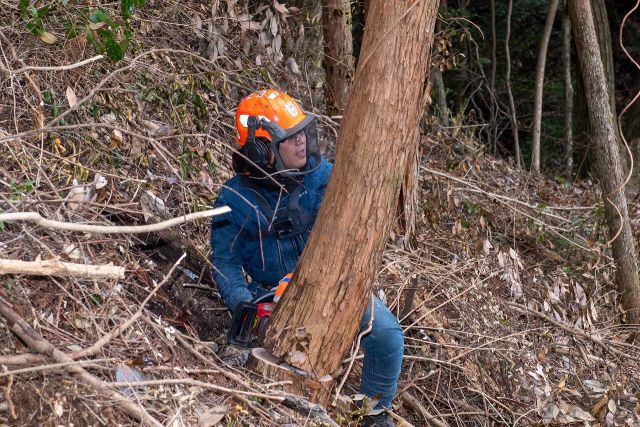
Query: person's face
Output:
(293,151)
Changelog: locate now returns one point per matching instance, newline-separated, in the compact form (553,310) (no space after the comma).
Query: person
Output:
(274,198)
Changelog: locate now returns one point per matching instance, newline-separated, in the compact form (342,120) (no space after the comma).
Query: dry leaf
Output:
(212,416)
(99,181)
(76,196)
(280,7)
(293,66)
(115,140)
(48,38)
(71,97)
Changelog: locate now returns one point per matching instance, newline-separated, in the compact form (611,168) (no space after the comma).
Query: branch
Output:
(90,351)
(37,343)
(36,218)
(59,68)
(60,269)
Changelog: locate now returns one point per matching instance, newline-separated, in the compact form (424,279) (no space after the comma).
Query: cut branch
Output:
(106,229)
(60,269)
(37,343)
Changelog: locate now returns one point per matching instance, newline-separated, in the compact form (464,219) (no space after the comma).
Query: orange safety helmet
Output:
(273,106)
(268,117)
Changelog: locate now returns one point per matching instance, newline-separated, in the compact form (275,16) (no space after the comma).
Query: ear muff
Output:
(256,151)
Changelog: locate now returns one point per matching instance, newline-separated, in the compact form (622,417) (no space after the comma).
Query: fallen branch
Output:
(37,343)
(197,383)
(90,351)
(415,404)
(607,345)
(36,218)
(308,409)
(60,269)
(58,68)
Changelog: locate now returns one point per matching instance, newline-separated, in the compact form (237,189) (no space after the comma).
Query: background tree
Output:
(338,52)
(568,91)
(314,324)
(537,104)
(583,132)
(607,163)
(512,108)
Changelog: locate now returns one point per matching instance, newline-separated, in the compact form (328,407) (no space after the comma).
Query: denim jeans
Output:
(383,351)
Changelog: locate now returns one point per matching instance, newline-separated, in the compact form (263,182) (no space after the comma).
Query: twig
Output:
(36,218)
(53,366)
(22,359)
(7,396)
(36,342)
(60,269)
(125,325)
(58,68)
(192,382)
(607,346)
(355,352)
(312,410)
(418,407)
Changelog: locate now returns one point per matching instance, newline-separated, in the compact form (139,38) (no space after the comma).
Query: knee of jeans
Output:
(388,334)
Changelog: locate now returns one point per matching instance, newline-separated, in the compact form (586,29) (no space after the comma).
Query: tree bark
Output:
(568,91)
(338,53)
(314,324)
(537,102)
(608,166)
(512,108)
(583,134)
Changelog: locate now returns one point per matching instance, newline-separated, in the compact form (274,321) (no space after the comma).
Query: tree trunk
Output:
(314,324)
(537,101)
(512,108)
(583,131)
(607,161)
(493,105)
(568,91)
(338,53)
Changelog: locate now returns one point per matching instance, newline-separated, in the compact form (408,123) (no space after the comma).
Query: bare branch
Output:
(60,269)
(107,229)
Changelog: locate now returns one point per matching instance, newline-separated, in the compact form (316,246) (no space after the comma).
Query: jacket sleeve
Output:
(325,174)
(226,257)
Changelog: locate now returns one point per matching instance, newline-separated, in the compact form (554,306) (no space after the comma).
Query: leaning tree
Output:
(607,162)
(315,323)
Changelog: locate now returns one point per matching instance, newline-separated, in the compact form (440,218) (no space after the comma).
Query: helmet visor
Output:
(298,152)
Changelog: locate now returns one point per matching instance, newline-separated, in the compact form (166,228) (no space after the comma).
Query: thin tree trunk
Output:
(583,135)
(338,52)
(441,93)
(568,91)
(608,166)
(314,324)
(493,130)
(512,107)
(537,102)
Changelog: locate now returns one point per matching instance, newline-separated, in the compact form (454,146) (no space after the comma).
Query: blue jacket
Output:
(245,240)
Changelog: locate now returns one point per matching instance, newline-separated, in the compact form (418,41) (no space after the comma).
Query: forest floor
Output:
(506,296)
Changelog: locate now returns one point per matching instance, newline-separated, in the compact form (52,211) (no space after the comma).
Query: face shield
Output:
(296,150)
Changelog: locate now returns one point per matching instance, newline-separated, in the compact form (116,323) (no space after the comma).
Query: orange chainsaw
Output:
(251,318)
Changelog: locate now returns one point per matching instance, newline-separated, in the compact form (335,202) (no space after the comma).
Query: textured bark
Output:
(583,134)
(537,101)
(608,166)
(568,91)
(338,52)
(512,108)
(314,324)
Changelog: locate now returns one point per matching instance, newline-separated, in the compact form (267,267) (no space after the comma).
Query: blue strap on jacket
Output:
(256,237)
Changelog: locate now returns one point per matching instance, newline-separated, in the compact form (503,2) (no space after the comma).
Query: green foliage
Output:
(109,35)
(35,16)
